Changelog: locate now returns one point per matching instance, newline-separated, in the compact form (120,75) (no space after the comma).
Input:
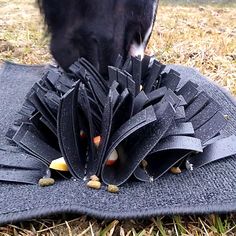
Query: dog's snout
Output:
(98,31)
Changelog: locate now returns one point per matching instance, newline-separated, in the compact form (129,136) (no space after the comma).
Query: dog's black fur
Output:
(97,30)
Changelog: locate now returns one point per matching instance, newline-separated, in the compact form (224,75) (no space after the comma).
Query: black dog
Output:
(98,30)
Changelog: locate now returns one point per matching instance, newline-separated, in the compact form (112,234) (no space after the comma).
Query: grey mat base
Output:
(210,189)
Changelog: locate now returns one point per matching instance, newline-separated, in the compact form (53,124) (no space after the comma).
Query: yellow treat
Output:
(59,164)
(94,178)
(94,184)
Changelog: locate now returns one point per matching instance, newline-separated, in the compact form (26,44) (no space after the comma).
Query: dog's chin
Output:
(64,58)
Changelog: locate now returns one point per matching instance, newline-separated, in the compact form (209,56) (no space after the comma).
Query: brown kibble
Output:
(112,188)
(175,170)
(44,182)
(94,184)
(144,164)
(94,178)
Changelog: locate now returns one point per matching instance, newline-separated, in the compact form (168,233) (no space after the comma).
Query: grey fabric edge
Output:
(18,64)
(228,95)
(2,66)
(13,217)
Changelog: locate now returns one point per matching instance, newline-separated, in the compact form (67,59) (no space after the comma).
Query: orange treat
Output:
(97,140)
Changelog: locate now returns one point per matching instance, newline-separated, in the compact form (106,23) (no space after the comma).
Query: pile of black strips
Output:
(136,123)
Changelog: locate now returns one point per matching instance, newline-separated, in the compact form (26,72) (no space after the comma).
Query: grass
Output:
(165,226)
(192,35)
(203,37)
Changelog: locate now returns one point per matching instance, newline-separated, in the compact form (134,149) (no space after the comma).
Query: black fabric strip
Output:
(182,101)
(112,74)
(171,97)
(105,132)
(131,156)
(170,81)
(211,128)
(40,107)
(88,127)
(220,149)
(154,73)
(52,100)
(40,148)
(137,73)
(139,101)
(188,91)
(156,95)
(21,176)
(141,119)
(198,103)
(145,65)
(119,61)
(70,149)
(180,113)
(27,109)
(52,77)
(39,90)
(123,96)
(95,74)
(203,116)
(180,128)
(19,135)
(20,161)
(178,142)
(127,64)
(166,154)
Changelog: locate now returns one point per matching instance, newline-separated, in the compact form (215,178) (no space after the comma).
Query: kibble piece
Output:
(144,164)
(112,188)
(44,182)
(94,178)
(175,170)
(94,184)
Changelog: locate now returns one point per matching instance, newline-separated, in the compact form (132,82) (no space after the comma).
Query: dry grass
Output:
(200,36)
(22,35)
(212,225)
(203,37)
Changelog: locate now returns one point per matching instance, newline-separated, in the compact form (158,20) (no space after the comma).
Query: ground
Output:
(201,36)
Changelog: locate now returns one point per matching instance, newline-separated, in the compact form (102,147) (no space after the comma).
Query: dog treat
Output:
(139,121)
(44,182)
(94,184)
(144,164)
(97,141)
(59,164)
(175,170)
(112,188)
(94,178)
(111,160)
